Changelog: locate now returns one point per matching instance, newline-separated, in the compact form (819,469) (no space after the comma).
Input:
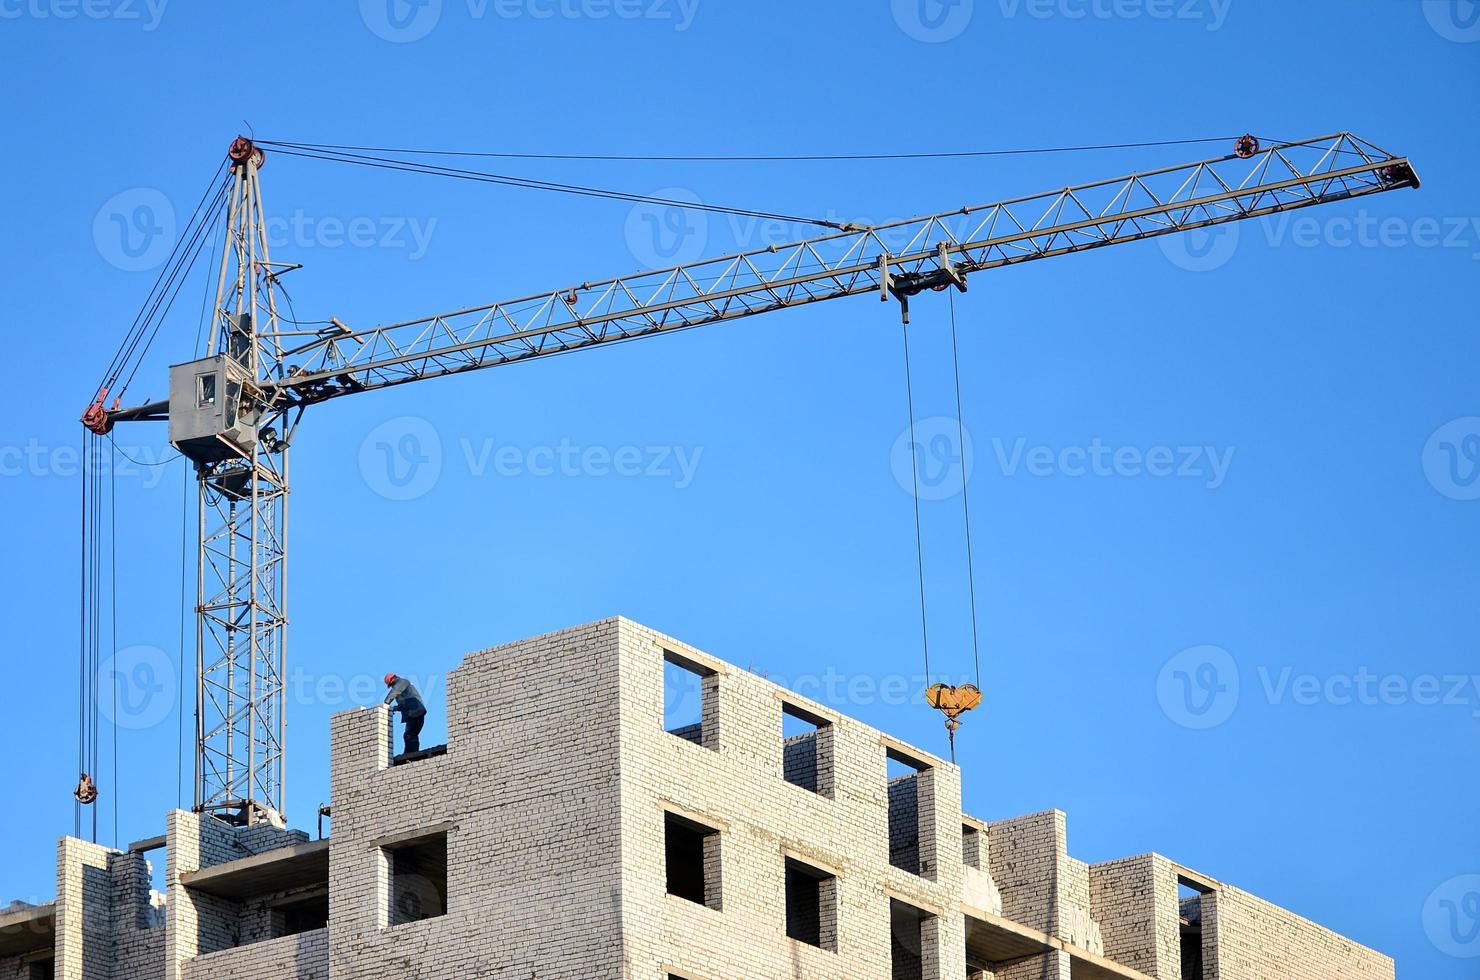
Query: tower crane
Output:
(234,413)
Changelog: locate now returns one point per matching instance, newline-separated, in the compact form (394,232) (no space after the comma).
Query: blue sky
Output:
(1307,568)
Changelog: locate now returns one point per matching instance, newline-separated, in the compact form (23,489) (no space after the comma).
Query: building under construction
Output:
(564,833)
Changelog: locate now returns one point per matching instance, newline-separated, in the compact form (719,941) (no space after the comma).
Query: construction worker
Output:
(409,704)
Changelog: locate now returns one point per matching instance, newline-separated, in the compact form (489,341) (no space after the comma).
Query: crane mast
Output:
(236,435)
(233,413)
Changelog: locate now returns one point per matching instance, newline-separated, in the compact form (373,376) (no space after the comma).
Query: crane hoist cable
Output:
(130,338)
(737,157)
(951,700)
(99,580)
(976,652)
(199,232)
(529,183)
(86,792)
(161,297)
(113,624)
(909,389)
(161,283)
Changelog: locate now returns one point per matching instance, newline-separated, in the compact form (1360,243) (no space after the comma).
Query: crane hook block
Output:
(953,702)
(1246,146)
(86,791)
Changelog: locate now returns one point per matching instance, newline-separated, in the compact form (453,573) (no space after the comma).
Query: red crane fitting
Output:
(243,149)
(95,417)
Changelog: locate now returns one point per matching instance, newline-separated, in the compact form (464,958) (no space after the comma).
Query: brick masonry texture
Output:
(550,806)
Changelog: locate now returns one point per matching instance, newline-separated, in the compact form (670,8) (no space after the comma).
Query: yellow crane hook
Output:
(953,702)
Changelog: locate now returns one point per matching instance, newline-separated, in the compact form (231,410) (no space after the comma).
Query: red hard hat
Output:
(390,679)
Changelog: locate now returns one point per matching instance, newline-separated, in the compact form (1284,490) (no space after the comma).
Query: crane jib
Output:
(345,361)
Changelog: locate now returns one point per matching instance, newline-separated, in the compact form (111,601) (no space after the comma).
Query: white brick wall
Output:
(552,798)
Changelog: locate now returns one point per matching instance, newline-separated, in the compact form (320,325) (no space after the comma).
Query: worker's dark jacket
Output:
(407,698)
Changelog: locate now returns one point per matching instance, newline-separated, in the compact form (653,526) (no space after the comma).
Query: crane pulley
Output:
(233,413)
